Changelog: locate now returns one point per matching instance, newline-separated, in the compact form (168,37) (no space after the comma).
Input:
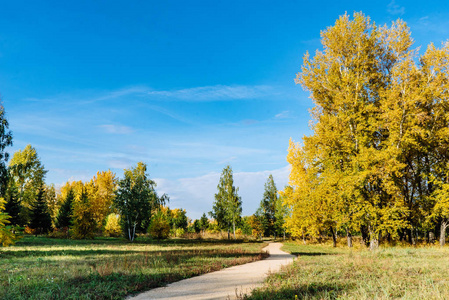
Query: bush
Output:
(112,227)
(159,226)
(63,233)
(179,232)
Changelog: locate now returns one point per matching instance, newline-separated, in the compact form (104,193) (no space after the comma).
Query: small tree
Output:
(204,223)
(40,217)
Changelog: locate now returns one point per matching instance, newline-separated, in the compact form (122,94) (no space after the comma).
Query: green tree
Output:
(5,141)
(12,206)
(65,213)
(227,207)
(204,223)
(29,173)
(267,207)
(40,216)
(179,218)
(135,199)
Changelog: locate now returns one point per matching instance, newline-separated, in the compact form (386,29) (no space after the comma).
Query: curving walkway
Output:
(224,284)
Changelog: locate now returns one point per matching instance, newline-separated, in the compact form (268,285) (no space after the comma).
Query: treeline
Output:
(109,206)
(377,163)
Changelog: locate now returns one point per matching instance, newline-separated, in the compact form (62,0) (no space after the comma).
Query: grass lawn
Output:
(323,272)
(43,268)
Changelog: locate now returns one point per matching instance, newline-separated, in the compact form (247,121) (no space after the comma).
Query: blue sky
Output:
(185,86)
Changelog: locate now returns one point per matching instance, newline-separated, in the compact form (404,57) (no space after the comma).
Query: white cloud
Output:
(196,194)
(395,9)
(116,129)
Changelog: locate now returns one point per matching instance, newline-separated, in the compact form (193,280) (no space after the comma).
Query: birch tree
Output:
(135,199)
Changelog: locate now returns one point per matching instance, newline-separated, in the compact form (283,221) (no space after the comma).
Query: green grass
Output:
(43,268)
(323,272)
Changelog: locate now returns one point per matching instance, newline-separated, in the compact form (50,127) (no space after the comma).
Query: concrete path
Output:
(224,284)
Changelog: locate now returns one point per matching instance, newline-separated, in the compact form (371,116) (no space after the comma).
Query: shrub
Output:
(159,226)
(112,227)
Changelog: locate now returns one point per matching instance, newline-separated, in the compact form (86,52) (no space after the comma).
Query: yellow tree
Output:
(101,190)
(7,237)
(347,161)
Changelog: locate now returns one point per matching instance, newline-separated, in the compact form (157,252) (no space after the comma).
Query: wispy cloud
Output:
(283,115)
(116,129)
(395,9)
(216,92)
(145,93)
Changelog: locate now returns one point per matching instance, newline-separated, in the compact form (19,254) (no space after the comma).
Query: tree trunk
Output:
(374,239)
(229,233)
(349,237)
(233,229)
(334,237)
(431,237)
(303,238)
(443,227)
(365,235)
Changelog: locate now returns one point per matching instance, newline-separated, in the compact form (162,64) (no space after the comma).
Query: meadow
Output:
(324,272)
(110,268)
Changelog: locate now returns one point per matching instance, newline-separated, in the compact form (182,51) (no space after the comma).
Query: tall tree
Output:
(29,173)
(5,141)
(102,189)
(268,207)
(227,207)
(65,213)
(84,224)
(12,206)
(52,202)
(135,199)
(40,217)
(351,165)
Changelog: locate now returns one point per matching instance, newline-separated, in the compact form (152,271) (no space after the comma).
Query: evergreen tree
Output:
(12,206)
(65,214)
(268,207)
(5,141)
(204,223)
(40,217)
(227,208)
